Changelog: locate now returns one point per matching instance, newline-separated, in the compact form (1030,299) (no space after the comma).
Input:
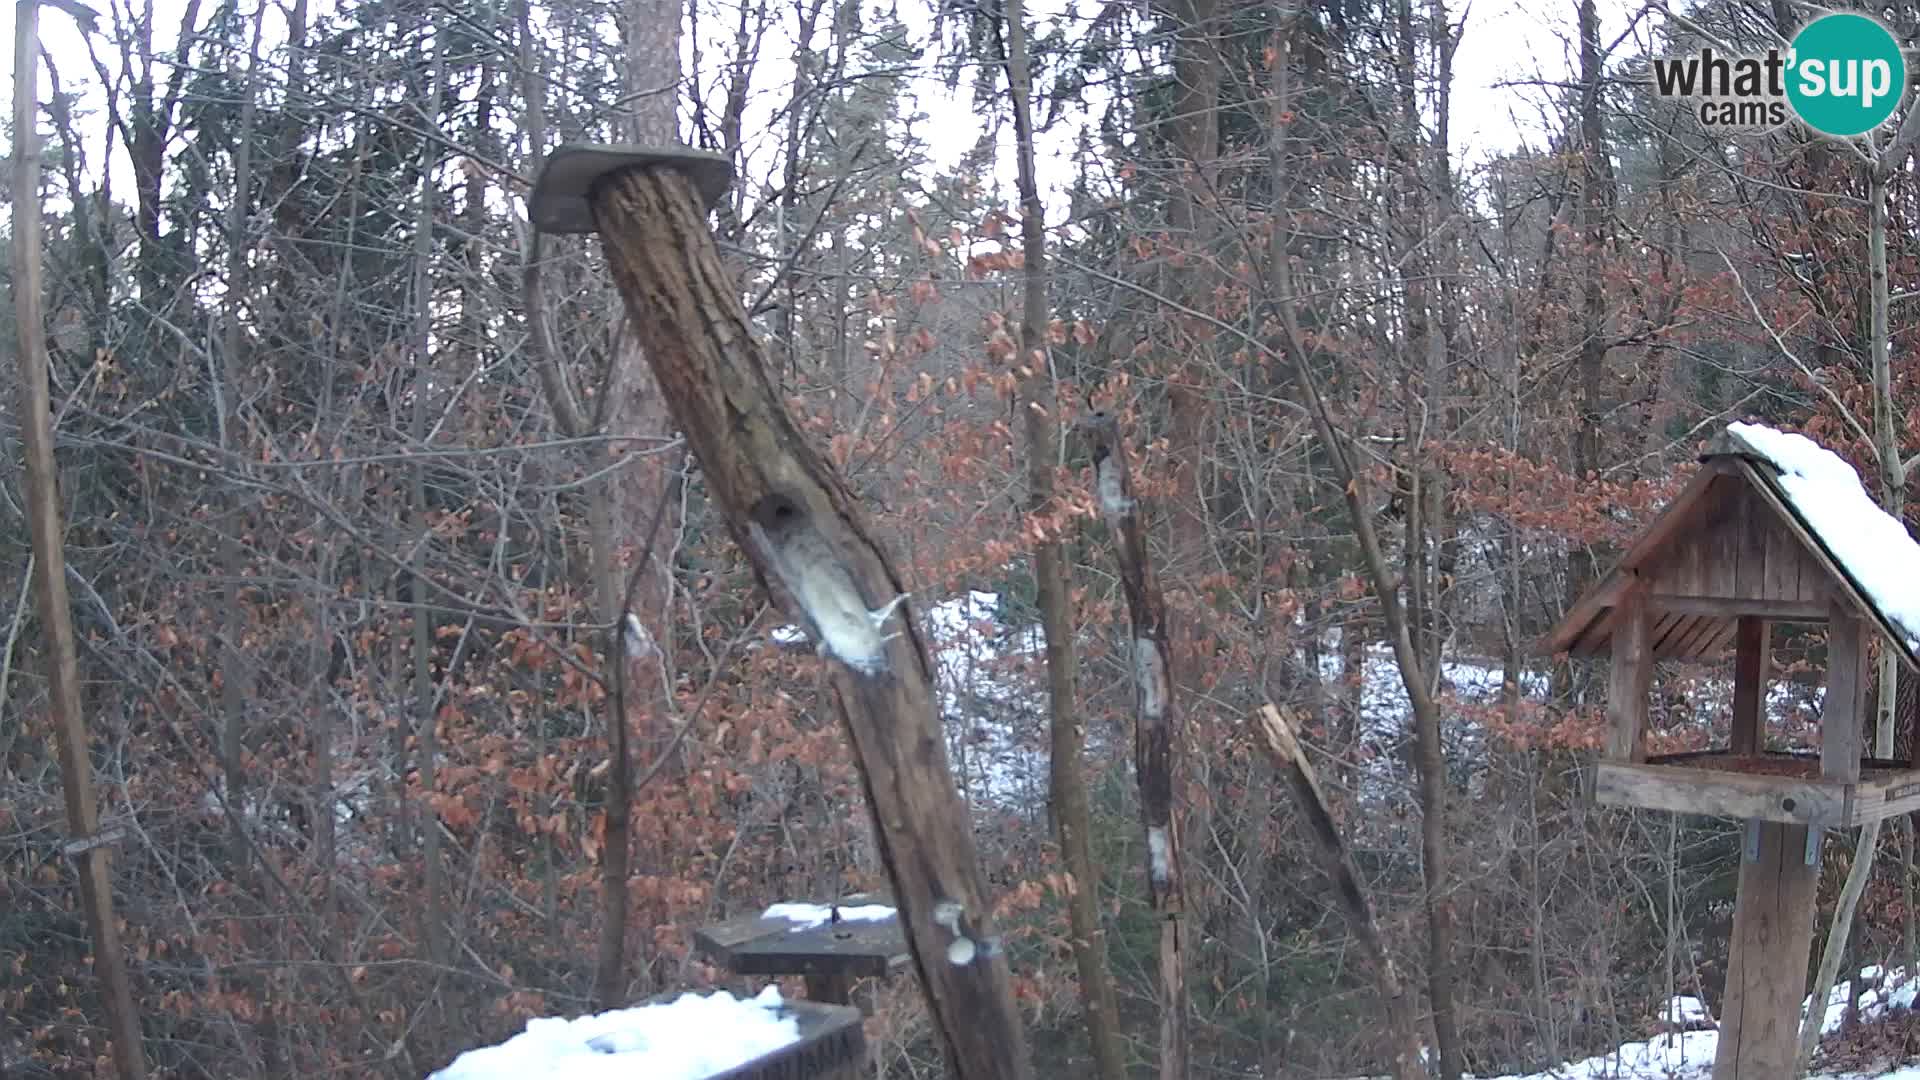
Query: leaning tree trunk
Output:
(807,539)
(1403,1028)
(1893,501)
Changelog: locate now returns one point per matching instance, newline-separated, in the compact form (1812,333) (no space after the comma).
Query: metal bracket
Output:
(1814,835)
(561,200)
(1751,849)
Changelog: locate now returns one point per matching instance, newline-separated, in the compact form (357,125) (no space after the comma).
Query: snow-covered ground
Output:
(1688,1055)
(696,1036)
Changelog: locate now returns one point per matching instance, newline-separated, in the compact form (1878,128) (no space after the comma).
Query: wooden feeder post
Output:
(1729,557)
(649,206)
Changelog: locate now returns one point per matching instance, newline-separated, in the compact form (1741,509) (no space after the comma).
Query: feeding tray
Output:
(562,197)
(1784,788)
(832,1043)
(854,948)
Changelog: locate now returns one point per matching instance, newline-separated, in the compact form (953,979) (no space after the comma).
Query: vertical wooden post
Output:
(1752,668)
(1846,702)
(1767,958)
(835,988)
(1630,678)
(1773,914)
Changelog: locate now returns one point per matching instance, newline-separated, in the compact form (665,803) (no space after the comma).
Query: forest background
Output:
(355,467)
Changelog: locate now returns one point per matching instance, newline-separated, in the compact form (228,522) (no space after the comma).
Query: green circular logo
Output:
(1847,75)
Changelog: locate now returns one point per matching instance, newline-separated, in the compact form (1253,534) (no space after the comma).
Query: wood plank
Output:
(1717,793)
(1724,606)
(1767,959)
(1629,680)
(1717,647)
(1694,641)
(1752,668)
(1752,567)
(1663,624)
(1783,563)
(1888,796)
(1669,631)
(1727,544)
(1846,701)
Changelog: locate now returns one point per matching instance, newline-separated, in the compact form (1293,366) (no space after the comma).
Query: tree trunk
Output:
(757,465)
(1156,729)
(237,693)
(1072,819)
(1428,759)
(427,750)
(1893,501)
(85,846)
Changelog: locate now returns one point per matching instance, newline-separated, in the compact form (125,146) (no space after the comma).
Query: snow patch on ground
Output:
(1884,990)
(1688,1055)
(992,699)
(1687,1010)
(689,1038)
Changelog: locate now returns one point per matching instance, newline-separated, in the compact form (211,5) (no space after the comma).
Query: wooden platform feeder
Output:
(1727,559)
(830,955)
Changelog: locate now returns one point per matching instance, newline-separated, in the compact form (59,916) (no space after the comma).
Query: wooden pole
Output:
(1760,1023)
(1767,956)
(1752,654)
(1630,678)
(87,849)
(804,533)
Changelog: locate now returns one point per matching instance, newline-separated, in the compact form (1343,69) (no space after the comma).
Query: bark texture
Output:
(1156,730)
(712,374)
(88,850)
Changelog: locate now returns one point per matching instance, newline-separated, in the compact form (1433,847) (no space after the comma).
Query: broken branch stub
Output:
(713,375)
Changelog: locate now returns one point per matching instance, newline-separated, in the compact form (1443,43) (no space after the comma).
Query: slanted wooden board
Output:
(832,1046)
(1690,784)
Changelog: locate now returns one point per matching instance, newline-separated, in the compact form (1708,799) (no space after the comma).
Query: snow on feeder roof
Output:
(1772,525)
(1869,545)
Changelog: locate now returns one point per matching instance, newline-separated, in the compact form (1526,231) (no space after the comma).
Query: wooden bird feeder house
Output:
(1771,529)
